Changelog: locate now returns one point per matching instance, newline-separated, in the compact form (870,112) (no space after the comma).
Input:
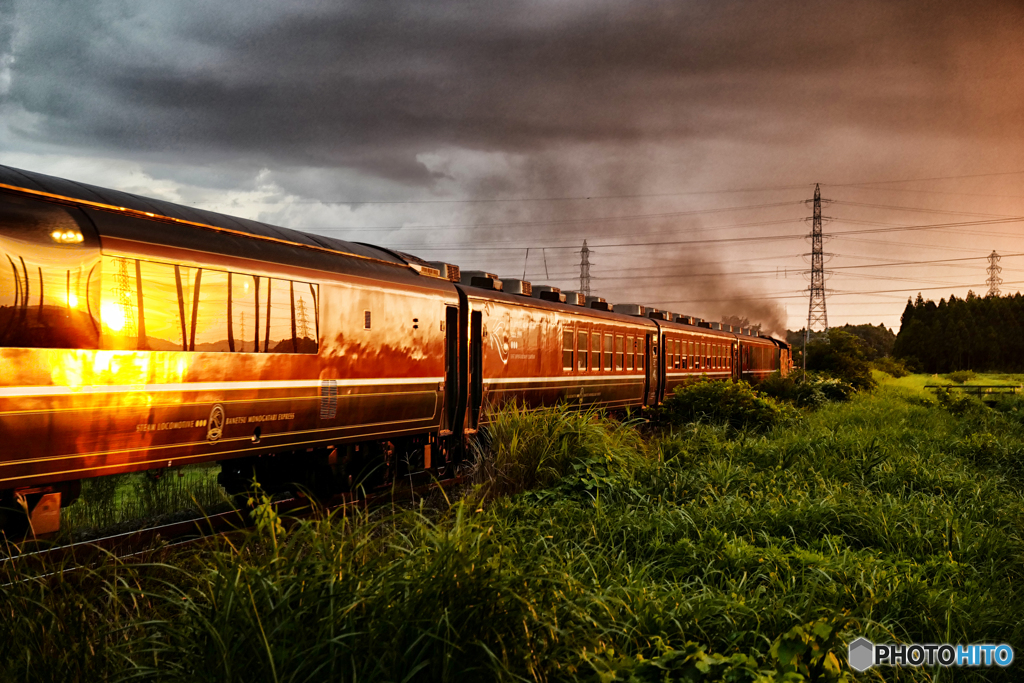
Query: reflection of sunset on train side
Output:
(113,316)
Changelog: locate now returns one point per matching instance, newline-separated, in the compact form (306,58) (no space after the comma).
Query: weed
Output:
(732,403)
(961,376)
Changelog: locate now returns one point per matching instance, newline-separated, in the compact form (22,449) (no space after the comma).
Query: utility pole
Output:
(585,269)
(816,313)
(993,271)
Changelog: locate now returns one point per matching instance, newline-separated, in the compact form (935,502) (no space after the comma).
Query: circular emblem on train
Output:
(215,425)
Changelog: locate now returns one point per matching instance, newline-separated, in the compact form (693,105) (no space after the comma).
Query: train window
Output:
(639,353)
(567,350)
(677,357)
(208,327)
(129,285)
(305,317)
(684,356)
(275,316)
(582,344)
(595,351)
(162,321)
(630,348)
(620,353)
(49,277)
(607,352)
(244,313)
(163,307)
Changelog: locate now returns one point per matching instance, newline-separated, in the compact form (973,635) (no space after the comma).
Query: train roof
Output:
(534,302)
(51,187)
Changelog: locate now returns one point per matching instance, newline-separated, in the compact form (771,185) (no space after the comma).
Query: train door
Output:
(462,392)
(451,367)
(653,370)
(735,355)
(476,372)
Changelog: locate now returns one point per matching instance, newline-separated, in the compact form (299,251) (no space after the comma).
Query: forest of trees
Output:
(974,333)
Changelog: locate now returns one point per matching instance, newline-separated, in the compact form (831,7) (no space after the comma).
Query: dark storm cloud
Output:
(371,85)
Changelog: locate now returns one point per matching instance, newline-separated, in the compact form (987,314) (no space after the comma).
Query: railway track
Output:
(176,534)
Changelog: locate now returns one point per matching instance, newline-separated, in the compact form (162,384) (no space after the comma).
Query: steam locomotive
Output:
(138,334)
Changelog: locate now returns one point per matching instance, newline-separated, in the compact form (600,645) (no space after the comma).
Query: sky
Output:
(680,138)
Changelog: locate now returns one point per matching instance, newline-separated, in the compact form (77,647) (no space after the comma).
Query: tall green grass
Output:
(614,552)
(124,499)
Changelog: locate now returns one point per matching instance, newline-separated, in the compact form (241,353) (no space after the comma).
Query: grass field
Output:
(682,552)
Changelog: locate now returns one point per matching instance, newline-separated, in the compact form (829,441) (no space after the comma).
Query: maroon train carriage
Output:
(138,334)
(543,351)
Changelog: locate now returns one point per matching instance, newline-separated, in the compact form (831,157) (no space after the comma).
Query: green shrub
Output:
(890,366)
(961,376)
(959,403)
(840,354)
(806,391)
(734,403)
(524,449)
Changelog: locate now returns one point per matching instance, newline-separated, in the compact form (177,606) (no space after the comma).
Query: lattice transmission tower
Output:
(585,269)
(302,319)
(123,294)
(993,271)
(817,315)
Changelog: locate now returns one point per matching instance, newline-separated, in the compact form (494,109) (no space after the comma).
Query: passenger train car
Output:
(138,334)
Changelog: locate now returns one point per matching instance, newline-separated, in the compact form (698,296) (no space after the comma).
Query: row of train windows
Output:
(163,307)
(584,350)
(689,355)
(758,359)
(123,303)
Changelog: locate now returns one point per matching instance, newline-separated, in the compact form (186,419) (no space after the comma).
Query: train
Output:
(138,334)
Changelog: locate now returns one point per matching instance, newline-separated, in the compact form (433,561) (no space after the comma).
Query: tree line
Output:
(973,333)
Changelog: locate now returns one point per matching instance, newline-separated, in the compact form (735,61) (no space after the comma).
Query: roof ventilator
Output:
(520,287)
(575,298)
(630,309)
(548,293)
(448,271)
(481,279)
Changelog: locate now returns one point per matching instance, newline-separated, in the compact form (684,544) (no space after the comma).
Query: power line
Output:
(768,238)
(497,200)
(916,180)
(945,192)
(560,221)
(897,207)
